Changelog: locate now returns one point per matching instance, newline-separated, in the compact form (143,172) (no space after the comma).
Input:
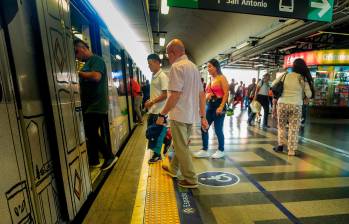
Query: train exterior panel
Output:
(45,176)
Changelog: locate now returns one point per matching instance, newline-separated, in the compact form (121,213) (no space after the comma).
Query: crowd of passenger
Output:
(182,99)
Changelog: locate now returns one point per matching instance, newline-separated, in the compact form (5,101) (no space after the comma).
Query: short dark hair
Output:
(78,41)
(154,57)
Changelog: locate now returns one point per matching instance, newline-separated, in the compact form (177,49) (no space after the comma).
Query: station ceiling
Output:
(209,34)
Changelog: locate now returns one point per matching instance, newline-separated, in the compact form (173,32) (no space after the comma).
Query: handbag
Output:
(255,106)
(214,99)
(278,88)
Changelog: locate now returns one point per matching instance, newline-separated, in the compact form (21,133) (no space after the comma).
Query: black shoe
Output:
(95,165)
(279,148)
(154,159)
(109,163)
(250,124)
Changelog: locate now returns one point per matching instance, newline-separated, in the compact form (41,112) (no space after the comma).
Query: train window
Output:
(118,78)
(80,26)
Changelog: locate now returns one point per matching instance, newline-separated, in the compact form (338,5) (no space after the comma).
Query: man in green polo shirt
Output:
(94,101)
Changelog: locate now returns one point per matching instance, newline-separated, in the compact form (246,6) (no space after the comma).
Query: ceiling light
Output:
(164,7)
(161,56)
(259,65)
(334,33)
(288,48)
(244,44)
(255,58)
(162,41)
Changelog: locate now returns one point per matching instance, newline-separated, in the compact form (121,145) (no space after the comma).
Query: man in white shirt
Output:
(185,105)
(158,94)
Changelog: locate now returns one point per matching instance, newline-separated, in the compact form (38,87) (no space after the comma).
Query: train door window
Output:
(81,30)
(119,84)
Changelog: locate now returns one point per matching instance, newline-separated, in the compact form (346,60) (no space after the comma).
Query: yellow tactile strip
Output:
(160,205)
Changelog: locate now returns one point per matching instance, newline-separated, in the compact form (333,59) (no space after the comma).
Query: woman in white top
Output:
(297,86)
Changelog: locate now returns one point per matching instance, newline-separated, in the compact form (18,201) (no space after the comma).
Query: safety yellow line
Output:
(138,209)
(161,204)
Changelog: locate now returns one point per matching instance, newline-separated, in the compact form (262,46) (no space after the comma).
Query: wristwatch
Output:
(162,115)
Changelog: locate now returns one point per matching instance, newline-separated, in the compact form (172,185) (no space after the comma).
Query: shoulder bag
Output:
(278,88)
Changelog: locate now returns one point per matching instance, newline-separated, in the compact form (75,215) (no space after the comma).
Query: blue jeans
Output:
(218,120)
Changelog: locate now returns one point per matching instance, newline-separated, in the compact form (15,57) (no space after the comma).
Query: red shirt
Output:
(136,88)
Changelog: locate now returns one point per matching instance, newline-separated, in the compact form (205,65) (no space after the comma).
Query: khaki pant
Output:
(292,114)
(138,102)
(182,159)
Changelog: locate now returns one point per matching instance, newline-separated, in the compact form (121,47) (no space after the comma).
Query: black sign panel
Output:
(282,8)
(317,10)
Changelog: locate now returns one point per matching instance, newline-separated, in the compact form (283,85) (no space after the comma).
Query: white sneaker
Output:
(217,155)
(201,154)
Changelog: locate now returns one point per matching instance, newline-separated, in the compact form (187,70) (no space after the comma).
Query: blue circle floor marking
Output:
(218,179)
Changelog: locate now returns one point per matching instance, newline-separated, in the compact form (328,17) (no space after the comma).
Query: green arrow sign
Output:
(321,10)
(317,10)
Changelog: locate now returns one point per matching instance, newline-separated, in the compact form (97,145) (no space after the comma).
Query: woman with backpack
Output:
(297,85)
(217,92)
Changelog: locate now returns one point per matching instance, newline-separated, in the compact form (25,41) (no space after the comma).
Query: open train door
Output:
(63,82)
(28,186)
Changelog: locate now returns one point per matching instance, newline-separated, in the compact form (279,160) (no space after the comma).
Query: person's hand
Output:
(148,104)
(160,120)
(204,124)
(209,96)
(306,101)
(274,112)
(219,111)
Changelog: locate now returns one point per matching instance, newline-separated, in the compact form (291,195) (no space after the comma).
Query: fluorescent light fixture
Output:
(162,41)
(259,65)
(244,44)
(123,32)
(255,58)
(164,7)
(288,48)
(161,56)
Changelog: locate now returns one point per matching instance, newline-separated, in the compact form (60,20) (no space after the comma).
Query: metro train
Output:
(45,176)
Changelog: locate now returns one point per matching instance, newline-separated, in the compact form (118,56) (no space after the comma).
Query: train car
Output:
(45,175)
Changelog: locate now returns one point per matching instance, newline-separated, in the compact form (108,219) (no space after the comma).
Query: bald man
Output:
(185,106)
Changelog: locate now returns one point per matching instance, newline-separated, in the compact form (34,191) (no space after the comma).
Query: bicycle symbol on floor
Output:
(218,179)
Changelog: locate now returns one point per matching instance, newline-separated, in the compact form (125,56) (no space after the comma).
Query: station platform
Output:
(251,184)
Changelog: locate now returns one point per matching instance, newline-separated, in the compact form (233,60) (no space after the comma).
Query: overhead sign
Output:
(324,57)
(317,10)
(218,179)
